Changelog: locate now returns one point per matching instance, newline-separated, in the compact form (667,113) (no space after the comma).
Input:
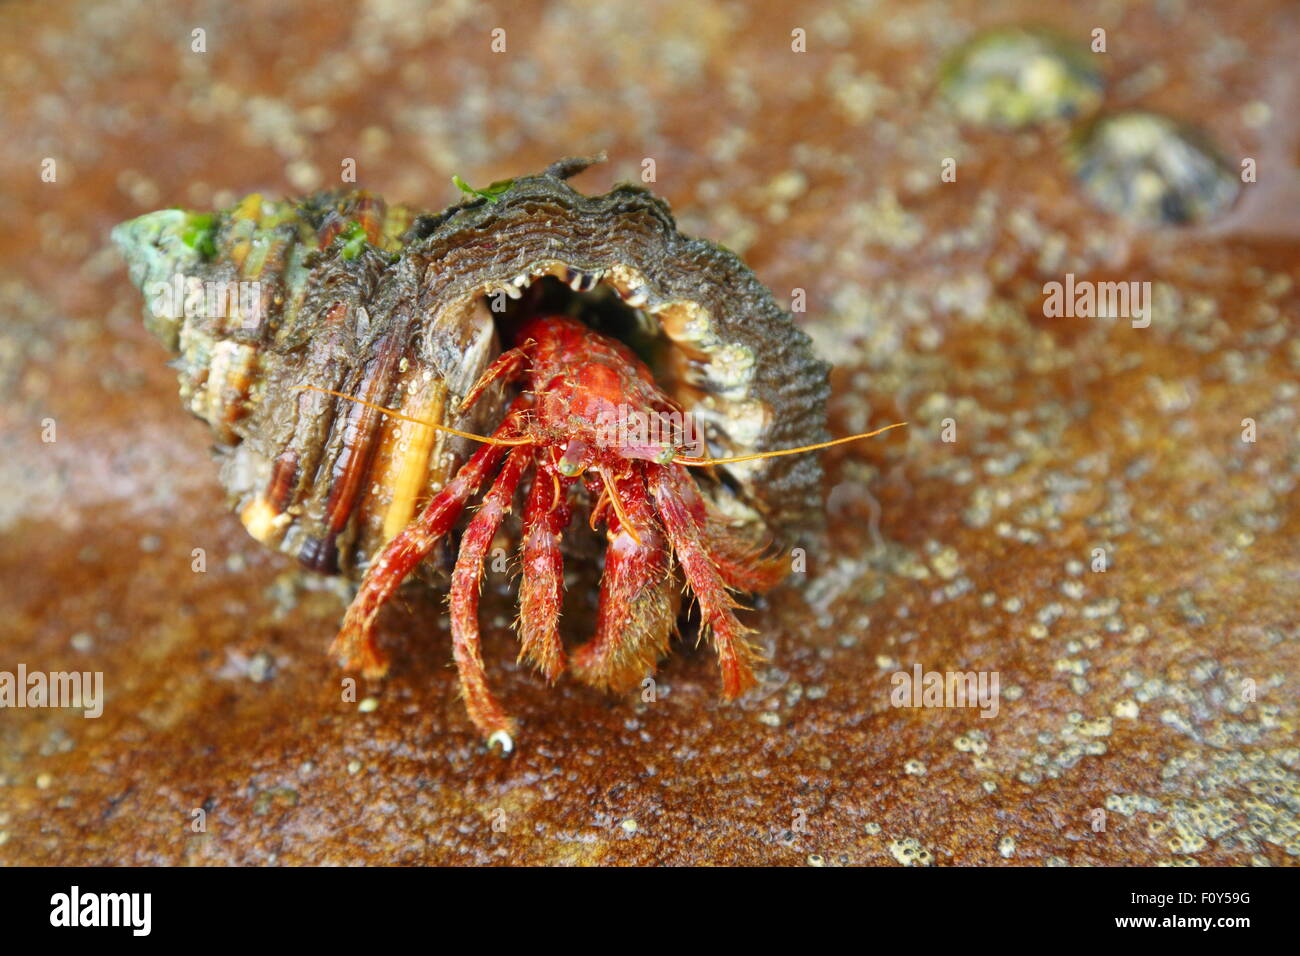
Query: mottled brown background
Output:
(1121,690)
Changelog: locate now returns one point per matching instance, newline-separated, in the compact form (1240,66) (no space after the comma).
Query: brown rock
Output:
(1126,691)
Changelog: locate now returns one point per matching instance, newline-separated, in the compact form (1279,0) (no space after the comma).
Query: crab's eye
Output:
(574,460)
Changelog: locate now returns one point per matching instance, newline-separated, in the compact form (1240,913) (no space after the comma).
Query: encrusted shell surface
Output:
(383,304)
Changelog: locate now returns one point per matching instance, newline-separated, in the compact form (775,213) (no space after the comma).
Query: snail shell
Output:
(375,301)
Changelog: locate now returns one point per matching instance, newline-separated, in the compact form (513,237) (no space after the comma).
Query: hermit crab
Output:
(369,372)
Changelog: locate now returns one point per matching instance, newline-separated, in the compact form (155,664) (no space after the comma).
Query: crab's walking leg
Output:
(354,646)
(484,711)
(541,588)
(637,610)
(743,566)
(505,366)
(735,654)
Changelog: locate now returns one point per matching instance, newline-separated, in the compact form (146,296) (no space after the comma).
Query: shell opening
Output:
(709,378)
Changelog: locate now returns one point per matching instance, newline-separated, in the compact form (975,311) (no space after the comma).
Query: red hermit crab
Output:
(369,371)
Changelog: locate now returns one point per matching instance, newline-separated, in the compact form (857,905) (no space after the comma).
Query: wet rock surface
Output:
(1147,712)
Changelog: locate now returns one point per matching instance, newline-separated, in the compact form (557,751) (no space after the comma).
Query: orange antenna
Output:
(392,413)
(698,462)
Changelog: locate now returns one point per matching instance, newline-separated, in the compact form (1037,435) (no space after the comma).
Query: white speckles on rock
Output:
(1103,607)
(1126,709)
(303,176)
(1172,718)
(946,563)
(1070,666)
(1131,803)
(1101,727)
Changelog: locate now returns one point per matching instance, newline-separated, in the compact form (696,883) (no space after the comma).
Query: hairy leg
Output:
(541,587)
(735,654)
(742,565)
(355,644)
(505,367)
(483,708)
(638,607)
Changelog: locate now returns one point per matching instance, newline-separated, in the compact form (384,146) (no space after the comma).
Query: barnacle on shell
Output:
(348,293)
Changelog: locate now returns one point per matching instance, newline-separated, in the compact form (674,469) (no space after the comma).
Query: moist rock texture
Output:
(1096,506)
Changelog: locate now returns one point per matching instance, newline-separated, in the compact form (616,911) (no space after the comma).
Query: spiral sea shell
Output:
(342,291)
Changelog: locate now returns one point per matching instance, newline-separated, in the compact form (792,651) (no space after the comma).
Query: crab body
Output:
(562,430)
